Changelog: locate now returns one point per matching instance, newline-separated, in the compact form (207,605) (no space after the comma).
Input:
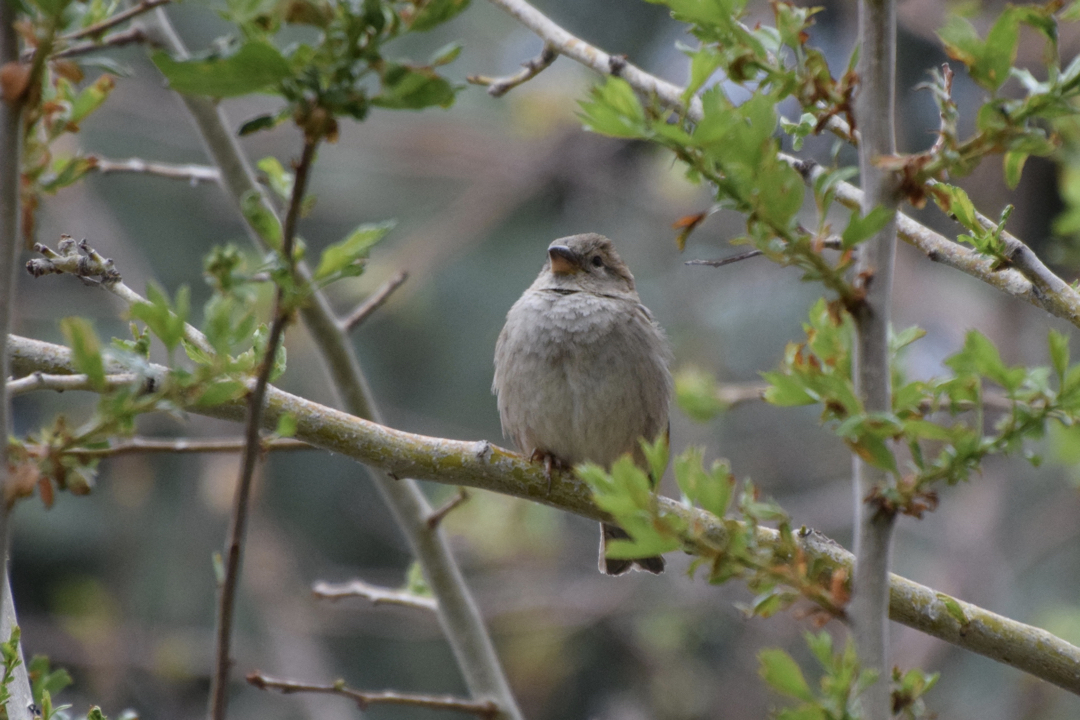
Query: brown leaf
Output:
(14,81)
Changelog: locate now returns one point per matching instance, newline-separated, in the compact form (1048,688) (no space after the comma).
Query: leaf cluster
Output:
(344,71)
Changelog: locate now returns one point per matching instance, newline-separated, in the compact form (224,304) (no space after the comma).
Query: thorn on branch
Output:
(75,259)
(437,515)
(497,87)
(374,302)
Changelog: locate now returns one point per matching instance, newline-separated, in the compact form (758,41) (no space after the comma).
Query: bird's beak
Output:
(564,261)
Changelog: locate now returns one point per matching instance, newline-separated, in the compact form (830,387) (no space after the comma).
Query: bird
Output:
(582,370)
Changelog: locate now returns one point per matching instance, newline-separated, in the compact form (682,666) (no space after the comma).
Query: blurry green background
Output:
(118,586)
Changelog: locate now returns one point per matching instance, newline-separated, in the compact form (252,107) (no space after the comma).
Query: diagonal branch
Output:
(459,615)
(1064,302)
(484,466)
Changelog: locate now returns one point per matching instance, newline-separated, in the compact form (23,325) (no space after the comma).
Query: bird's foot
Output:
(550,463)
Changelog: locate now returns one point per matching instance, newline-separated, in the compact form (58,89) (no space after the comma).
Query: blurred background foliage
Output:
(118,586)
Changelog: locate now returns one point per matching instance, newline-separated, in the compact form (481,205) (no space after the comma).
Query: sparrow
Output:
(582,369)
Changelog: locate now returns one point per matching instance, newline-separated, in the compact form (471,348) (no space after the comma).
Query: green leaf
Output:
(261,218)
(446,54)
(860,228)
(956,202)
(613,109)
(781,672)
(695,393)
(221,392)
(712,491)
(1059,353)
(165,320)
(280,179)
(412,88)
(256,66)
(91,98)
(1014,165)
(45,679)
(346,255)
(786,390)
(435,12)
(85,350)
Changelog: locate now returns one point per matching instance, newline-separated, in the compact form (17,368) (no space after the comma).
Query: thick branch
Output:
(12,99)
(484,466)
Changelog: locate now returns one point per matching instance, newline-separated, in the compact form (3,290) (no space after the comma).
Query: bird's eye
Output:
(597,261)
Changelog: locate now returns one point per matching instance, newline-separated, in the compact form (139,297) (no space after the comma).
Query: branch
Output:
(497,87)
(116,39)
(377,595)
(874,522)
(60,383)
(485,709)
(252,447)
(194,174)
(14,86)
(373,303)
(439,514)
(1064,304)
(484,466)
(117,19)
(459,615)
(140,445)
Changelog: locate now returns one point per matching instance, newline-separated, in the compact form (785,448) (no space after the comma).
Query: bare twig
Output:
(440,513)
(377,595)
(116,39)
(484,466)
(60,383)
(252,448)
(141,445)
(117,19)
(374,302)
(483,709)
(83,261)
(194,174)
(721,262)
(497,87)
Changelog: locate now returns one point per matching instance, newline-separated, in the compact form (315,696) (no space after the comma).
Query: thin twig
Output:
(116,39)
(60,383)
(253,448)
(440,513)
(374,302)
(142,445)
(726,261)
(484,466)
(81,260)
(377,595)
(117,19)
(497,87)
(483,709)
(194,174)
